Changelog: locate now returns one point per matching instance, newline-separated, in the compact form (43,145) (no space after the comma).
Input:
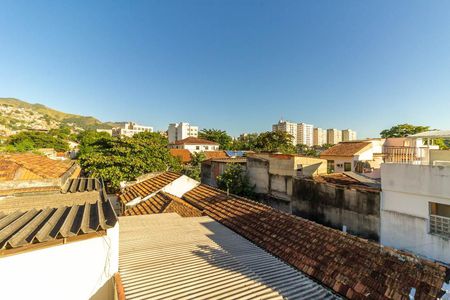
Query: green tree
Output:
(274,141)
(193,169)
(216,135)
(32,140)
(91,140)
(235,181)
(403,130)
(124,159)
(245,142)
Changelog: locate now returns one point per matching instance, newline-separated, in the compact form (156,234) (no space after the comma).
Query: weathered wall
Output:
(410,233)
(258,173)
(336,206)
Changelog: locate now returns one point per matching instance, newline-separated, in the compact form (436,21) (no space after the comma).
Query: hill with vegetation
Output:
(16,114)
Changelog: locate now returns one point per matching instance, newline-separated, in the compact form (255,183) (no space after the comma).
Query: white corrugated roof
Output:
(165,256)
(432,134)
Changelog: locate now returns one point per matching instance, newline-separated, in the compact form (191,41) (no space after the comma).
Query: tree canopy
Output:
(274,141)
(33,140)
(218,136)
(124,159)
(235,181)
(403,130)
(193,169)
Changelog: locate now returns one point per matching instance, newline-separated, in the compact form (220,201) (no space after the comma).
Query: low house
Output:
(185,156)
(272,174)
(214,167)
(415,208)
(344,156)
(234,243)
(194,144)
(25,171)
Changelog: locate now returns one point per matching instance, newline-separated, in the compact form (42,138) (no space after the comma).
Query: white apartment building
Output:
(319,136)
(181,131)
(348,135)
(415,206)
(334,136)
(305,134)
(288,127)
(129,129)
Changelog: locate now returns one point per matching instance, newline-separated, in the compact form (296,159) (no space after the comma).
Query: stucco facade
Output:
(408,193)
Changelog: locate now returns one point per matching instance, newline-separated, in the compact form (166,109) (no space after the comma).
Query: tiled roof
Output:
(163,203)
(183,154)
(215,154)
(194,141)
(147,187)
(345,149)
(351,266)
(35,166)
(168,257)
(230,160)
(342,179)
(22,228)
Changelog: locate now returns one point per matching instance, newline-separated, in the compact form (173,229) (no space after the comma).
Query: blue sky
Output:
(233,65)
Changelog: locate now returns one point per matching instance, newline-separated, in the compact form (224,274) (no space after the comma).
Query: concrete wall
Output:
(336,206)
(407,192)
(258,173)
(77,270)
(439,155)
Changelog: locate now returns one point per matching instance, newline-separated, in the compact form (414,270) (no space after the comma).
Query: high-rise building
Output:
(180,131)
(334,136)
(348,135)
(305,134)
(287,127)
(319,136)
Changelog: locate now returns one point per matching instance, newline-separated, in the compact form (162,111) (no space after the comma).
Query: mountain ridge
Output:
(18,114)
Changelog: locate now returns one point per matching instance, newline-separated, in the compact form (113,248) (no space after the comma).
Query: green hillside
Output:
(61,117)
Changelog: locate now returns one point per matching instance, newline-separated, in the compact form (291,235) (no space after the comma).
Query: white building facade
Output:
(348,135)
(415,207)
(334,136)
(319,137)
(181,131)
(195,145)
(288,127)
(305,134)
(129,129)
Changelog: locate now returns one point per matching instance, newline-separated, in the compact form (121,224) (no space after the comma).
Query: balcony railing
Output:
(440,225)
(408,155)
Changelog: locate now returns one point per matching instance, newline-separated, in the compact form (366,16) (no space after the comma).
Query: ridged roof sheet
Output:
(21,228)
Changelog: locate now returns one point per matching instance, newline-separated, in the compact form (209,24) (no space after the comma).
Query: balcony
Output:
(440,225)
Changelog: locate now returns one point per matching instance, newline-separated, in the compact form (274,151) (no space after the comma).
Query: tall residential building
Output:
(180,131)
(319,136)
(305,134)
(334,136)
(288,127)
(129,129)
(348,135)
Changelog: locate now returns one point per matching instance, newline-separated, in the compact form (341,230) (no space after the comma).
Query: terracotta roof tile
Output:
(183,154)
(353,267)
(35,166)
(147,187)
(194,141)
(345,149)
(163,203)
(215,154)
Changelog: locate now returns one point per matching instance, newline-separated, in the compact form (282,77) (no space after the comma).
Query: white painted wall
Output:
(407,190)
(76,270)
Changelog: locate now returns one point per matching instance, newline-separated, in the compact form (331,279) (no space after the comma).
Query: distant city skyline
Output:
(232,65)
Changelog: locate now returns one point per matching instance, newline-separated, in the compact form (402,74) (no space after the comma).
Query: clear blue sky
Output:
(233,65)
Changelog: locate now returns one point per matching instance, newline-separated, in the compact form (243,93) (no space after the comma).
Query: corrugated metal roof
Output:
(21,228)
(168,257)
(432,134)
(77,185)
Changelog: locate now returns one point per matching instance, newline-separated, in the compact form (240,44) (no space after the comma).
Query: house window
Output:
(330,166)
(206,147)
(197,147)
(440,219)
(347,167)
